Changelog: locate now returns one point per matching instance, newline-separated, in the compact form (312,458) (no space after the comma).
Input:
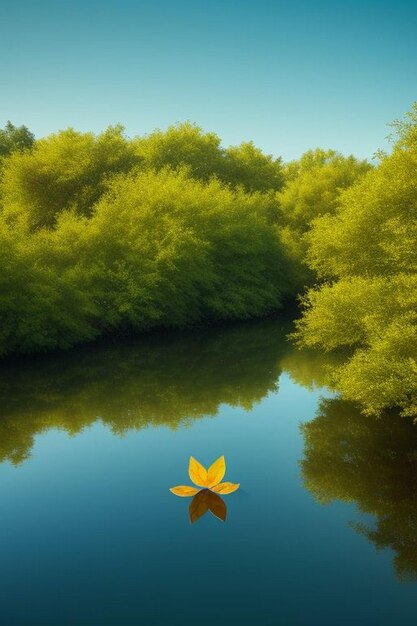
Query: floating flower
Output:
(206,479)
(209,485)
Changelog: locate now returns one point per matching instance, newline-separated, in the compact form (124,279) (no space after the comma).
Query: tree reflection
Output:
(312,368)
(372,462)
(165,379)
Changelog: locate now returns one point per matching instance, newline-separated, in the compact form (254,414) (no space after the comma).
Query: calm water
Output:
(91,441)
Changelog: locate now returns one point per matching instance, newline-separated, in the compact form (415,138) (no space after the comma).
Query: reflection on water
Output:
(311,368)
(373,463)
(173,378)
(206,500)
(166,379)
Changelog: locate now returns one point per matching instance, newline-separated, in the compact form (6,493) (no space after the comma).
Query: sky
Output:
(288,74)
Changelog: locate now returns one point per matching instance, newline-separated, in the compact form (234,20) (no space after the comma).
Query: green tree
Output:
(187,145)
(66,171)
(15,138)
(313,187)
(195,251)
(41,306)
(246,165)
(367,255)
(160,249)
(182,145)
(314,184)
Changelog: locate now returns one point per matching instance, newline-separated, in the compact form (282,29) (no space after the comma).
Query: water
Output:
(91,440)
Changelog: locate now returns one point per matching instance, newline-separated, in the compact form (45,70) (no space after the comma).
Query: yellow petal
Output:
(197,472)
(217,506)
(184,491)
(225,488)
(216,472)
(199,505)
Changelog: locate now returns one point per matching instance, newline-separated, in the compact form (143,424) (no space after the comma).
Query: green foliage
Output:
(70,171)
(375,231)
(161,249)
(181,250)
(42,304)
(101,233)
(313,188)
(186,145)
(314,185)
(246,165)
(367,252)
(15,138)
(66,171)
(182,145)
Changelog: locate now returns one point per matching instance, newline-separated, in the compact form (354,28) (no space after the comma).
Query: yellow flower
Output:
(206,479)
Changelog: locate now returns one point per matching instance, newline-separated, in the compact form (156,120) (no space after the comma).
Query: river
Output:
(322,530)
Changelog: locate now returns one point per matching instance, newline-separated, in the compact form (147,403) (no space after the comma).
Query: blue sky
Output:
(290,75)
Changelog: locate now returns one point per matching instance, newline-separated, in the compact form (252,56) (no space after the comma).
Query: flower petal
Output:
(184,491)
(197,472)
(216,472)
(225,488)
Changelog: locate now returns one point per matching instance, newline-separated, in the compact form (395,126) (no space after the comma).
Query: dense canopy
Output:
(102,232)
(366,254)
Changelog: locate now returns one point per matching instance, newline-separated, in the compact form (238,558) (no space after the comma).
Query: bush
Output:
(160,249)
(367,253)
(64,171)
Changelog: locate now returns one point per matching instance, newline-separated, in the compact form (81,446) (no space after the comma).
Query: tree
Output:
(15,138)
(160,249)
(182,145)
(66,171)
(367,254)
(195,251)
(246,165)
(313,187)
(186,145)
(314,184)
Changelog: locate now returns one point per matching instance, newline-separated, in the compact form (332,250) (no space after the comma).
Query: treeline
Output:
(102,232)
